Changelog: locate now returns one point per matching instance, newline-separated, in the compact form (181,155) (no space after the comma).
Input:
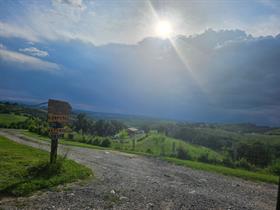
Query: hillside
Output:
(161,145)
(7,119)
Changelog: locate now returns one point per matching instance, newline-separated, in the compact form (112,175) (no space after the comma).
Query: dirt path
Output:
(125,181)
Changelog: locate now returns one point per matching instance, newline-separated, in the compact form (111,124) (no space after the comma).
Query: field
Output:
(222,148)
(24,169)
(7,119)
(160,145)
(151,142)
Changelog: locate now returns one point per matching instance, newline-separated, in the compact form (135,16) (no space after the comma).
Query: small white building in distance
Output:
(133,131)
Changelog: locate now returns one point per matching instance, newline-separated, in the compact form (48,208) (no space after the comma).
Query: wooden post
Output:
(278,196)
(133,144)
(58,114)
(53,154)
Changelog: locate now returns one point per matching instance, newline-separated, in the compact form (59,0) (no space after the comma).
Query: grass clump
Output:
(24,169)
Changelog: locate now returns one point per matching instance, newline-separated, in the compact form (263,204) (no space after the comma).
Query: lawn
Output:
(24,169)
(7,119)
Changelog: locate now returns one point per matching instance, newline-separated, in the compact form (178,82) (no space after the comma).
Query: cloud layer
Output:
(103,22)
(17,60)
(220,76)
(34,51)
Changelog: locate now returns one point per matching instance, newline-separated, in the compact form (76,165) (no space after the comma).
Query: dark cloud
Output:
(225,76)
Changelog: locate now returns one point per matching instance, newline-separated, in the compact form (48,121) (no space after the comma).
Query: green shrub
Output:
(204,158)
(70,136)
(275,168)
(105,142)
(227,161)
(182,154)
(96,141)
(243,163)
(149,151)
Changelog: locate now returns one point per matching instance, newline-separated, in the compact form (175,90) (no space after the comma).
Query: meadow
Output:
(7,119)
(153,143)
(243,150)
(24,169)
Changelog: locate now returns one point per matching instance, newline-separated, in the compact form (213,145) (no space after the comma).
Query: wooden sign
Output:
(58,115)
(58,111)
(58,118)
(56,131)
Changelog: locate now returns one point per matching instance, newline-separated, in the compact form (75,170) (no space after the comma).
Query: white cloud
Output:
(25,61)
(269,26)
(34,52)
(129,21)
(9,30)
(74,3)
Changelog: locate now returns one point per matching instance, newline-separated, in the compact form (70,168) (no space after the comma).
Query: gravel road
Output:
(125,181)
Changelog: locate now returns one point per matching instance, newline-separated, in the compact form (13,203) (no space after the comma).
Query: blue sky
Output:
(220,62)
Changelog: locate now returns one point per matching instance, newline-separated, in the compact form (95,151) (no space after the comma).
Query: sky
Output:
(219,61)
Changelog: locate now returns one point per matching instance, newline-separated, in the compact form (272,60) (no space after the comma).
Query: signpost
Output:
(58,116)
(278,196)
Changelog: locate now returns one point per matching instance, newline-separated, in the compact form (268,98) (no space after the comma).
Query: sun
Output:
(163,29)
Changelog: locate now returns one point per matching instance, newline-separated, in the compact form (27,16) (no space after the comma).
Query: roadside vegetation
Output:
(10,120)
(237,172)
(24,169)
(231,149)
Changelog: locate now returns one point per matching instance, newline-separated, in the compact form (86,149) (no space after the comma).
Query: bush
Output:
(96,141)
(204,158)
(149,151)
(70,136)
(275,168)
(182,154)
(243,163)
(105,142)
(227,161)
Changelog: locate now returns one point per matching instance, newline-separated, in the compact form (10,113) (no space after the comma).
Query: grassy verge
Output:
(241,173)
(248,175)
(7,119)
(24,169)
(63,141)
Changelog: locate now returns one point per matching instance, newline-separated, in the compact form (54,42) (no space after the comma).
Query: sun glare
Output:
(164,29)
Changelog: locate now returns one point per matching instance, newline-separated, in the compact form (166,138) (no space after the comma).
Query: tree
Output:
(82,124)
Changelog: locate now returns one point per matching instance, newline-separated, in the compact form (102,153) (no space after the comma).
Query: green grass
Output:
(157,144)
(248,175)
(154,139)
(61,141)
(24,169)
(272,139)
(7,119)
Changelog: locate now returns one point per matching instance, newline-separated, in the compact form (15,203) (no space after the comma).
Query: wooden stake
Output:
(278,196)
(133,143)
(53,154)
